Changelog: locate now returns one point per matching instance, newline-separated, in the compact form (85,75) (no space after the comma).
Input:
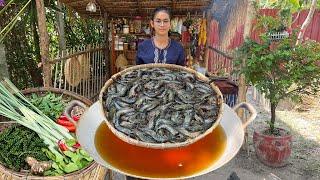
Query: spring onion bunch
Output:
(14,105)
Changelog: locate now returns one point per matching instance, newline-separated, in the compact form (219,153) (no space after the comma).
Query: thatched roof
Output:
(131,8)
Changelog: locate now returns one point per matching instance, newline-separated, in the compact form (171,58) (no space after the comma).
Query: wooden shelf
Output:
(130,54)
(127,50)
(135,34)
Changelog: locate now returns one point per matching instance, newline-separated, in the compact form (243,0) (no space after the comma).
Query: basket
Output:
(121,61)
(72,71)
(85,66)
(130,140)
(131,55)
(93,171)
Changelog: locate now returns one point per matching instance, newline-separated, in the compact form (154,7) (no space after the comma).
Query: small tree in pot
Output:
(279,69)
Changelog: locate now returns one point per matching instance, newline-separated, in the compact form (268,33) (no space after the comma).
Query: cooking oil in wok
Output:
(156,163)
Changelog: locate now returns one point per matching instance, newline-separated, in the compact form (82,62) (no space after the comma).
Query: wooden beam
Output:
(220,52)
(102,8)
(60,27)
(206,53)
(74,55)
(113,54)
(82,2)
(139,7)
(142,4)
(149,8)
(44,43)
(173,5)
(242,80)
(106,41)
(207,49)
(132,8)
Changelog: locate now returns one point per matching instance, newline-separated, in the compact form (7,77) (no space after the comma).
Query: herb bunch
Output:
(17,143)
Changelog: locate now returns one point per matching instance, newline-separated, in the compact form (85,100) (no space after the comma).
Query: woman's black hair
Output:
(159,9)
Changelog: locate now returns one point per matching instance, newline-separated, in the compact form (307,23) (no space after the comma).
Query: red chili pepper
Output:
(76,118)
(64,123)
(63,117)
(62,146)
(71,128)
(76,145)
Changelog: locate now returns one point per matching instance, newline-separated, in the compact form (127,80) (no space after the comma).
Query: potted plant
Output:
(279,69)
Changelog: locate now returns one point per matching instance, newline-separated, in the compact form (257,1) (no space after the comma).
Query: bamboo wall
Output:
(81,70)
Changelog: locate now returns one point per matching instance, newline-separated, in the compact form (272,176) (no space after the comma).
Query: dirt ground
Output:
(304,162)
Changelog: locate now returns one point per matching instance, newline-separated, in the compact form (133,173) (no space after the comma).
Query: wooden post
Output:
(206,52)
(106,41)
(242,94)
(247,29)
(44,43)
(60,27)
(112,51)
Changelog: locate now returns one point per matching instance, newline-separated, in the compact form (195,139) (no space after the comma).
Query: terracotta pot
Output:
(273,151)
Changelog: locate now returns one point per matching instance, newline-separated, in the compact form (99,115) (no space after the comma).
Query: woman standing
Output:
(160,48)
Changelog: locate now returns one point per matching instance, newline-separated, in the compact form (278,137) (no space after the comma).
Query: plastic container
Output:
(125,29)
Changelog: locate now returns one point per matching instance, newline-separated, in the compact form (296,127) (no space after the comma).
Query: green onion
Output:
(14,105)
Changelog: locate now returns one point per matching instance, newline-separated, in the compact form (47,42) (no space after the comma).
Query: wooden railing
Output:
(81,70)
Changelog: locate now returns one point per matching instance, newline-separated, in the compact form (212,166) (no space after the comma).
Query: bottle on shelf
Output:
(116,42)
(131,26)
(137,24)
(125,29)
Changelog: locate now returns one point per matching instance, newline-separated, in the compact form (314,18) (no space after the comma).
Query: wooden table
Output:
(228,89)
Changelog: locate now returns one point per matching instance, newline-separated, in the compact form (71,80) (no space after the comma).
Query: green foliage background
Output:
(22,42)
(279,68)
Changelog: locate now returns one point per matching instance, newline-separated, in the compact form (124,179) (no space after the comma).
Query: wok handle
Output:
(250,108)
(69,108)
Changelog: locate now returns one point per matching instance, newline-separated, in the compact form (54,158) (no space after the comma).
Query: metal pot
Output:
(172,67)
(230,122)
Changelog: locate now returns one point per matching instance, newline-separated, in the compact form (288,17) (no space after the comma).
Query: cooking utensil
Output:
(230,122)
(172,67)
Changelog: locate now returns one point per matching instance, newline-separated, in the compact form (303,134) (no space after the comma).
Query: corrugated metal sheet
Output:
(218,62)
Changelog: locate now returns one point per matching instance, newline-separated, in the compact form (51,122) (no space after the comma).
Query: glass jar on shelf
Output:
(131,26)
(137,24)
(120,46)
(125,29)
(116,42)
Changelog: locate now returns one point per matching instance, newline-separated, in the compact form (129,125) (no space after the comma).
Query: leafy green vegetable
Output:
(50,104)
(71,162)
(70,142)
(14,105)
(71,167)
